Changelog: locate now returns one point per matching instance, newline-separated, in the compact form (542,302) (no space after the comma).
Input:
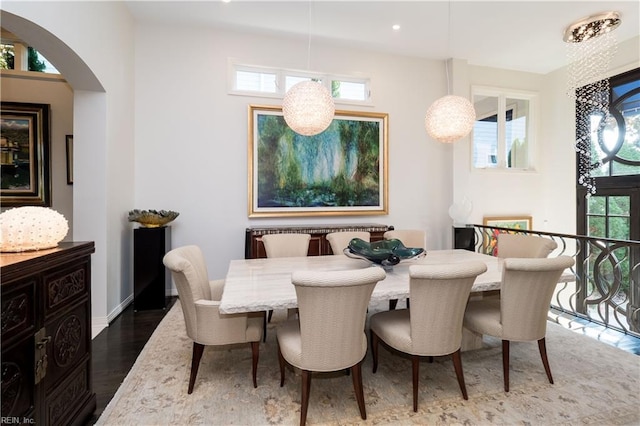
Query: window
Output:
(271,82)
(503,132)
(252,81)
(612,211)
(17,56)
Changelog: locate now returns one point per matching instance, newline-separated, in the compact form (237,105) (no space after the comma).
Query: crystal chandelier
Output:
(451,117)
(590,47)
(308,108)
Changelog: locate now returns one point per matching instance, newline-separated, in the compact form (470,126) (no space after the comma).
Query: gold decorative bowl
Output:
(152,218)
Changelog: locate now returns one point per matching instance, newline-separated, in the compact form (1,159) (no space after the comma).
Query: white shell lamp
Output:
(450,118)
(31,228)
(460,211)
(308,108)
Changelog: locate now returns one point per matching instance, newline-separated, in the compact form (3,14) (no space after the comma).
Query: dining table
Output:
(255,285)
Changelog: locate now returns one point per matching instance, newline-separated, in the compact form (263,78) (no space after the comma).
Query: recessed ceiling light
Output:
(396,27)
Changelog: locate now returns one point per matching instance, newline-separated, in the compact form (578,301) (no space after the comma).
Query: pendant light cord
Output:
(446,62)
(309,38)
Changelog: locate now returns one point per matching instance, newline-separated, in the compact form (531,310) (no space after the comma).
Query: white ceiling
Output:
(518,35)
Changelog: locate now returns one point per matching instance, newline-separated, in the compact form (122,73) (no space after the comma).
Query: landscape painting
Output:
(341,171)
(24,152)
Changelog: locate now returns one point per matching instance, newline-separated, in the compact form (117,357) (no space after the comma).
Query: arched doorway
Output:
(90,118)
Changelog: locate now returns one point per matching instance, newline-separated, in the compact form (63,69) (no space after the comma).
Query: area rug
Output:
(594,384)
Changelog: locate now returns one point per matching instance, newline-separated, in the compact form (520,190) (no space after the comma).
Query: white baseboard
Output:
(100,323)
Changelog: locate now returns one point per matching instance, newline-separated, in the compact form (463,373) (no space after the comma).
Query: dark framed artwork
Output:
(24,152)
(342,171)
(69,151)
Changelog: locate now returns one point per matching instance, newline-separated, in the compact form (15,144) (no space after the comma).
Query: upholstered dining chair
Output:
(527,246)
(284,245)
(520,314)
(329,335)
(433,325)
(414,238)
(340,240)
(200,298)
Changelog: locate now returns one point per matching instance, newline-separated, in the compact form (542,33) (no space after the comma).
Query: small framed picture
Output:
(24,142)
(70,159)
(517,223)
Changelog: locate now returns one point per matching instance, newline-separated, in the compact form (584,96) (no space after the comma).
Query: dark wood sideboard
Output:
(254,248)
(46,335)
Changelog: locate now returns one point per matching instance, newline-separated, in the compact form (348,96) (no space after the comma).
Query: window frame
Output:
(507,99)
(326,80)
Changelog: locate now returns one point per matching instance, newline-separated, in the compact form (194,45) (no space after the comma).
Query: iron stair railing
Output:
(606,289)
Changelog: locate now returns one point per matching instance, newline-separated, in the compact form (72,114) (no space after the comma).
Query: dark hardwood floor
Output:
(116,348)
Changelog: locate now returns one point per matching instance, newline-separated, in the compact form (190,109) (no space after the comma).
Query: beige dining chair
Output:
(200,299)
(433,325)
(340,240)
(284,245)
(524,246)
(520,314)
(329,335)
(414,238)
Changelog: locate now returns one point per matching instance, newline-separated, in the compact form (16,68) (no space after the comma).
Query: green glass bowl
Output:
(384,252)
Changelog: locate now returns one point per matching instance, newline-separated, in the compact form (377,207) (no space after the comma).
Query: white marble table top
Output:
(254,285)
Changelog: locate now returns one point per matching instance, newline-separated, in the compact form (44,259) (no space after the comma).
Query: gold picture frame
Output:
(517,223)
(512,222)
(340,172)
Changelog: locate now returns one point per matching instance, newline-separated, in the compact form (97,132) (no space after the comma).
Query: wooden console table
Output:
(254,248)
(46,335)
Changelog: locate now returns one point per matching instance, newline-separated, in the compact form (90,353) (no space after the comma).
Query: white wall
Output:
(90,43)
(191,135)
(548,194)
(55,91)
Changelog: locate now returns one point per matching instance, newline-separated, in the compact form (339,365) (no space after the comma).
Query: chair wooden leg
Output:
(264,326)
(392,304)
(281,362)
(306,389)
(195,363)
(270,314)
(357,386)
(457,365)
(505,364)
(545,361)
(374,350)
(255,354)
(415,367)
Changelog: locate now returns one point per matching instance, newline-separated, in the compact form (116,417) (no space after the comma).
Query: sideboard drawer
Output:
(65,286)
(18,316)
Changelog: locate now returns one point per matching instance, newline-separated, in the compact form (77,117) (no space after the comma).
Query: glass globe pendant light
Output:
(451,117)
(308,106)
